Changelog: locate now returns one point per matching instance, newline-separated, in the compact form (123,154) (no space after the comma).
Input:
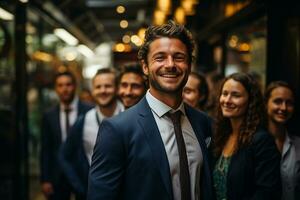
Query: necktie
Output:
(67,111)
(183,162)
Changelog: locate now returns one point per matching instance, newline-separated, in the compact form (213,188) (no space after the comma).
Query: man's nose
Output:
(170,61)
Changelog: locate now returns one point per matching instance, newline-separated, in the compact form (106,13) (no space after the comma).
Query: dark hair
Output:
(202,88)
(106,70)
(136,69)
(171,30)
(254,117)
(273,85)
(65,73)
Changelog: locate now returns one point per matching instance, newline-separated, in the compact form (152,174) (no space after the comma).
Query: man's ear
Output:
(145,67)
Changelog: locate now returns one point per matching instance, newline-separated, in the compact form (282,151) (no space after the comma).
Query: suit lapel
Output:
(56,124)
(156,145)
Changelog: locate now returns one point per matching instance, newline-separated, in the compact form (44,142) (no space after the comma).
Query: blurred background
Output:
(41,37)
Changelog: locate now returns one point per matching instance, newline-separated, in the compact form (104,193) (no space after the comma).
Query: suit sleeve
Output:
(267,168)
(108,164)
(68,151)
(45,150)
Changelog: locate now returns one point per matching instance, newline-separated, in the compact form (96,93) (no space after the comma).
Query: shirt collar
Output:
(288,139)
(160,108)
(119,108)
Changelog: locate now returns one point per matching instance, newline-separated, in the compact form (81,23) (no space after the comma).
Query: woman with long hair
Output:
(280,102)
(246,164)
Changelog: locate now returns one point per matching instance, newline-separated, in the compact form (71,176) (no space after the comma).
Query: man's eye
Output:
(159,58)
(179,58)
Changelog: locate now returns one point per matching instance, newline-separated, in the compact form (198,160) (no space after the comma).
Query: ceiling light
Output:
(23,1)
(126,38)
(66,36)
(180,15)
(87,52)
(141,33)
(123,23)
(120,9)
(135,38)
(120,47)
(5,15)
(159,17)
(164,5)
(42,56)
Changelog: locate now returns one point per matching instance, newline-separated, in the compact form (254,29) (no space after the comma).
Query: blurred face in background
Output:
(191,94)
(280,105)
(104,89)
(131,88)
(234,100)
(65,89)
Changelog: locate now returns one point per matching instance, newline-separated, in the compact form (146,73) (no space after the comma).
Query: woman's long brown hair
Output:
(254,117)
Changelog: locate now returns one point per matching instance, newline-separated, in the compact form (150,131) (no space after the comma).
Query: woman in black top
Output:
(246,162)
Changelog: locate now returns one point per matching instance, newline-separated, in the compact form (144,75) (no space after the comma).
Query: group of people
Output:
(161,146)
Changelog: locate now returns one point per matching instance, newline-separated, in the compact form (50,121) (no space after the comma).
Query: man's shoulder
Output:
(85,106)
(130,115)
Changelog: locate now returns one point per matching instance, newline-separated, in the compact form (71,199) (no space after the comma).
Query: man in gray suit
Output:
(142,154)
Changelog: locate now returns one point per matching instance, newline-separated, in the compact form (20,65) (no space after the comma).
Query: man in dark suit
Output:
(155,149)
(55,125)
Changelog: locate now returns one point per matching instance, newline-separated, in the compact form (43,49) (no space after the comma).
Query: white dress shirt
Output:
(91,126)
(194,153)
(288,169)
(72,117)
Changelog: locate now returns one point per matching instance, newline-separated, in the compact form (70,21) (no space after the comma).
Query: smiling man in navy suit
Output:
(142,154)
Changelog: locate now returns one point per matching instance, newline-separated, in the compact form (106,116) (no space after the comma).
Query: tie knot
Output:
(175,117)
(68,109)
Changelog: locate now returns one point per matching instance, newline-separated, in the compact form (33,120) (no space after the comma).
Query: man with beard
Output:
(155,149)
(132,85)
(76,153)
(55,128)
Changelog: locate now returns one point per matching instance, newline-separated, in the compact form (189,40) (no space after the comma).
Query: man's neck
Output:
(109,110)
(171,99)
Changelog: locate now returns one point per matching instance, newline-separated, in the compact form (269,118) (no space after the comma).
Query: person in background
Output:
(280,102)
(195,92)
(214,81)
(55,127)
(246,164)
(132,85)
(142,154)
(86,96)
(76,152)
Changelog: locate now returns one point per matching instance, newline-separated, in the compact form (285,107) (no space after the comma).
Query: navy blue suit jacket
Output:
(51,141)
(73,159)
(130,162)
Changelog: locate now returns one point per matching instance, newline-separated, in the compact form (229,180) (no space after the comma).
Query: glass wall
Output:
(246,50)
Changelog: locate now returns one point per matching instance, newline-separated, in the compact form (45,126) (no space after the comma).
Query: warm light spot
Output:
(123,23)
(120,47)
(180,15)
(120,9)
(126,38)
(244,47)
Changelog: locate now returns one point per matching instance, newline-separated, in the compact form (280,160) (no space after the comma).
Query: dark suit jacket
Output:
(130,162)
(51,141)
(73,159)
(254,171)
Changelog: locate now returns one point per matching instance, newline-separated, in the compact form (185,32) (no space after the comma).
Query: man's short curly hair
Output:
(170,30)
